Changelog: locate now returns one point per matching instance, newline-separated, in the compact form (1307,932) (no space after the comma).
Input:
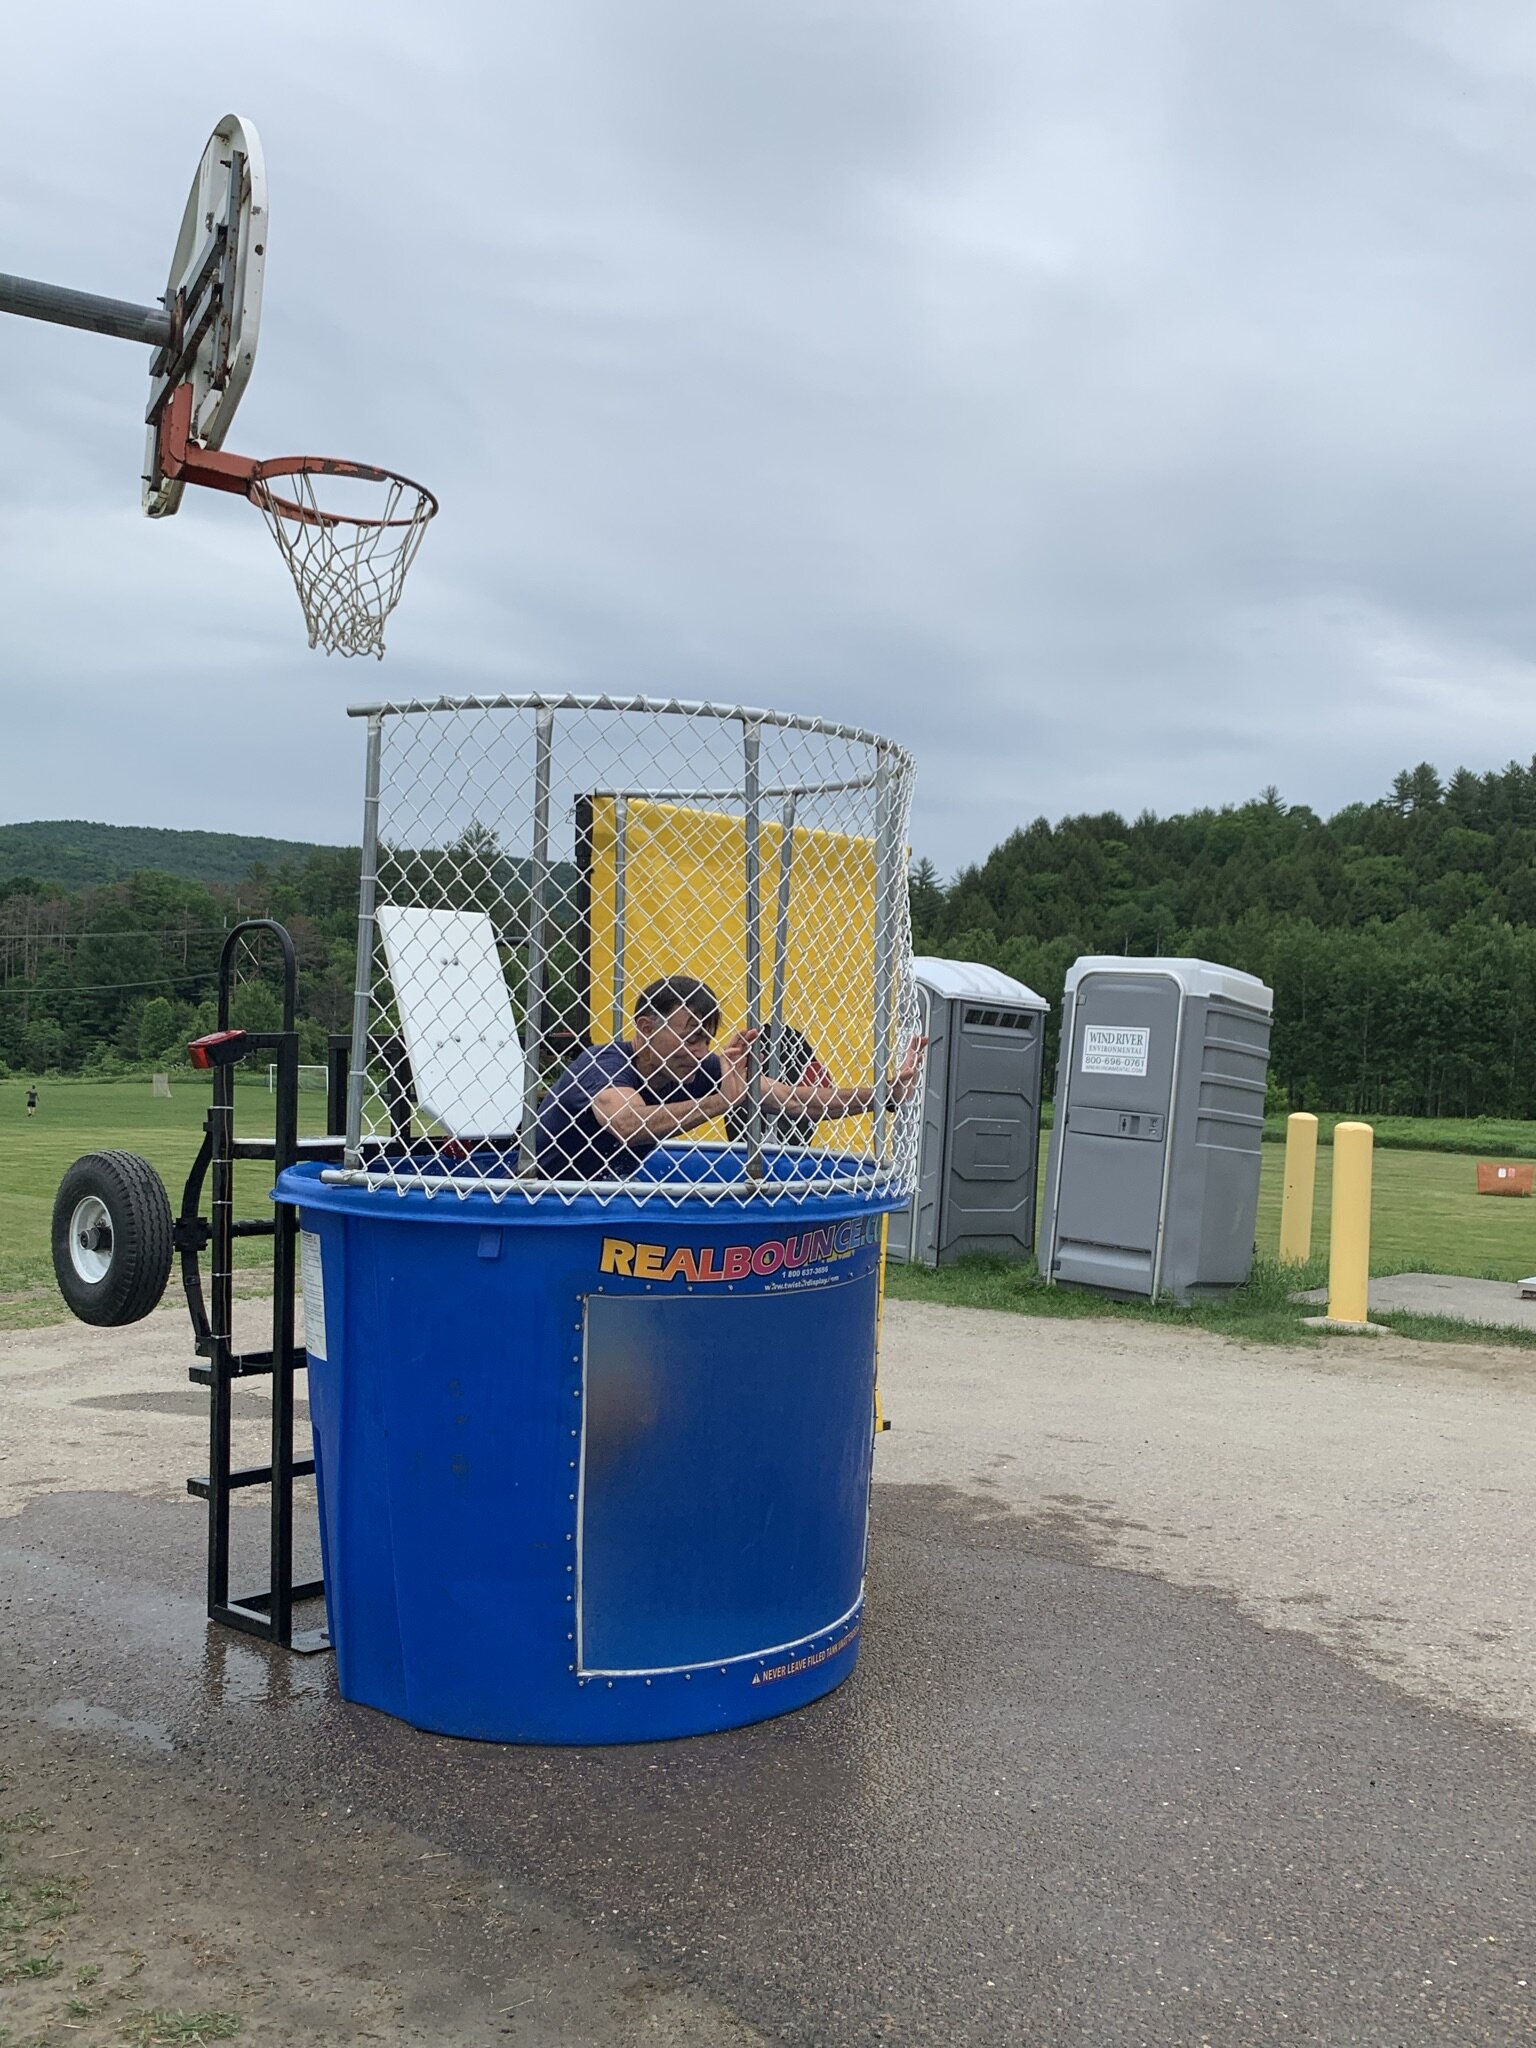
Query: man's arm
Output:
(820,1100)
(626,1113)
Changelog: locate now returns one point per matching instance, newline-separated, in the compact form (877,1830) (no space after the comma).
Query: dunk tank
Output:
(591,1368)
(591,1255)
(593,1433)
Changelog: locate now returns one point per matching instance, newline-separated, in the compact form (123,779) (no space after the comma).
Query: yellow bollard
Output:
(1349,1244)
(1300,1180)
(880,1422)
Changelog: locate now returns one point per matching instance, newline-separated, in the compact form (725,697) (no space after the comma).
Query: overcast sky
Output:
(1125,403)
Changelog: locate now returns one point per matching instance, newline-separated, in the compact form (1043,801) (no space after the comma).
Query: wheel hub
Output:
(90,1239)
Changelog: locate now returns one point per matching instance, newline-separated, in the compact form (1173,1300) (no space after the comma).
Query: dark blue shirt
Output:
(570,1143)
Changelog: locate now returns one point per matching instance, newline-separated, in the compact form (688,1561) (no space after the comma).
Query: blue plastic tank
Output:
(592,1471)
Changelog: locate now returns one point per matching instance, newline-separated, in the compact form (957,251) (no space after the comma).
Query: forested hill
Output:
(75,854)
(1399,936)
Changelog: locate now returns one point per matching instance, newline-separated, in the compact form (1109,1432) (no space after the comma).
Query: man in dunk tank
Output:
(616,1102)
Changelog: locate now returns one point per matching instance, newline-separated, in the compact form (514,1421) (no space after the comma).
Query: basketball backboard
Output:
(348,552)
(213,297)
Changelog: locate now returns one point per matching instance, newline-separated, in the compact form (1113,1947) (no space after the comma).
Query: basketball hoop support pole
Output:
(67,308)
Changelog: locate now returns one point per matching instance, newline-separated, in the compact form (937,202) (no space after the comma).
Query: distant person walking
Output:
(32,1101)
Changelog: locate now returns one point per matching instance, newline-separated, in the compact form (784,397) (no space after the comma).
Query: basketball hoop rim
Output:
(347,566)
(186,461)
(331,465)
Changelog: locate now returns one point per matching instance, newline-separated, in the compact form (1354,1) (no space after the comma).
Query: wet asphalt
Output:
(1058,1803)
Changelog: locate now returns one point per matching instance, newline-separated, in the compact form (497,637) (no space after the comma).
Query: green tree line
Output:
(126,972)
(78,854)
(1399,936)
(123,974)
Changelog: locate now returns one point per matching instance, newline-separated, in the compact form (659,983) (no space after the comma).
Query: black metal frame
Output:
(267,1612)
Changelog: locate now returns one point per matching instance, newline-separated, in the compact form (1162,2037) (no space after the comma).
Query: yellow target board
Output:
(665,896)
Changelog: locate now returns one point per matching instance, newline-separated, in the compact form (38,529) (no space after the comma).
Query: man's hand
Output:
(909,1072)
(733,1067)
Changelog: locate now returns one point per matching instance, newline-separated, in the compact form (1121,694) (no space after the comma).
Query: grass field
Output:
(99,1116)
(1427,1215)
(1487,1137)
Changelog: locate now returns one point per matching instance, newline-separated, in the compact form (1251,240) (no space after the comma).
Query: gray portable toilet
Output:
(979,1154)
(1152,1186)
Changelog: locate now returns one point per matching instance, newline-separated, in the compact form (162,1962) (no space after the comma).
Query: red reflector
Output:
(218,1049)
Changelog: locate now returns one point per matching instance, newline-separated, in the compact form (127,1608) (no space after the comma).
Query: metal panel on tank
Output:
(690,1549)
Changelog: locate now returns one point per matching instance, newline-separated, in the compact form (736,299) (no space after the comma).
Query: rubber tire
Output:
(134,1197)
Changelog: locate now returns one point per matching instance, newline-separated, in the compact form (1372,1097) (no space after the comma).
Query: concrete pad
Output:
(1373,1495)
(1496,1303)
(1347,1329)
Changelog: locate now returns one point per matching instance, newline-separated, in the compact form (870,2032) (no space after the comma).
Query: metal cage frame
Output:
(884,787)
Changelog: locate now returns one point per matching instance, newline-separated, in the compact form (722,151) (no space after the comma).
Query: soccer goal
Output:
(311,1079)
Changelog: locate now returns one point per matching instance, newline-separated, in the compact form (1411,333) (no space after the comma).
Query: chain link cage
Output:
(631,948)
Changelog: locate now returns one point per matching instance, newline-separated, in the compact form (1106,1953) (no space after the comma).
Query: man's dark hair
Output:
(680,992)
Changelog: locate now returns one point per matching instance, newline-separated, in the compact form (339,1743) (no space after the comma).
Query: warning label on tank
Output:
(1115,1048)
(313,1277)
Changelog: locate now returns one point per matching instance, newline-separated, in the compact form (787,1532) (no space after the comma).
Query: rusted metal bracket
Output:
(184,460)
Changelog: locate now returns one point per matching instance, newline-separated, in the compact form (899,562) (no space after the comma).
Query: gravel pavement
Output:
(1195,1705)
(1376,1494)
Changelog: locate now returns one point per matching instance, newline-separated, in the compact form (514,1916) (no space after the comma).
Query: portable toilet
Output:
(979,1152)
(1152,1186)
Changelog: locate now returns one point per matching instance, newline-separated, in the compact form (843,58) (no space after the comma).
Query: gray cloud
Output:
(1126,404)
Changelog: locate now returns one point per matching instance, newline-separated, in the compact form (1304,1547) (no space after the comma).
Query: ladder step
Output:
(251,1475)
(261,1602)
(247,1616)
(246,1365)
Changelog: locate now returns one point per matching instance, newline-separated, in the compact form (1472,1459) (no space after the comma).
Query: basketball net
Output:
(348,566)
(349,570)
